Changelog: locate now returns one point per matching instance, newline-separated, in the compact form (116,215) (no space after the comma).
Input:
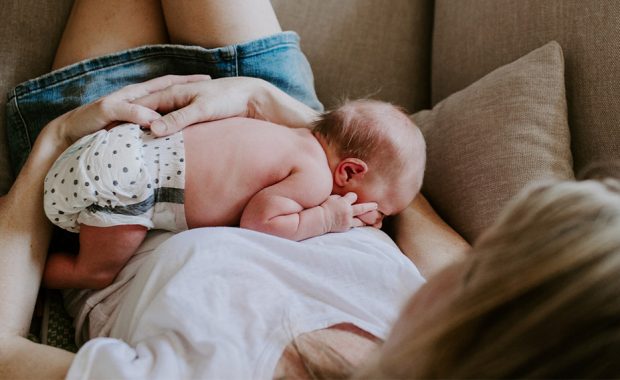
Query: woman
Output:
(536,298)
(25,231)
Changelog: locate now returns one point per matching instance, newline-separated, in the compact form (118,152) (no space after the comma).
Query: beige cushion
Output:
(488,141)
(472,37)
(359,48)
(30,31)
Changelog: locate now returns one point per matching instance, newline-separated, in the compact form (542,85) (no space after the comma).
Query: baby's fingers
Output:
(350,197)
(362,208)
(357,223)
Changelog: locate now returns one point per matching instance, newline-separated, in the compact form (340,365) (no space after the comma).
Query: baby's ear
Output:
(350,170)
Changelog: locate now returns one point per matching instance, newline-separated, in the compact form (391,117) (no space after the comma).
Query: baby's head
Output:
(374,150)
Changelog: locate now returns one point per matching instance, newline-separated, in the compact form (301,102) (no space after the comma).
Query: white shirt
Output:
(223,303)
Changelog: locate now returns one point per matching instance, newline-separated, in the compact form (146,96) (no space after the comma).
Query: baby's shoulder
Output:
(306,143)
(311,160)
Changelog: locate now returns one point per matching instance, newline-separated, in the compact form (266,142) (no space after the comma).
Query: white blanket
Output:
(222,303)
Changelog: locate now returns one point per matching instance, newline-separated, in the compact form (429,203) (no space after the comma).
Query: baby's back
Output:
(228,161)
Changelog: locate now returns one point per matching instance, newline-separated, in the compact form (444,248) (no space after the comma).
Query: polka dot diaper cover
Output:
(118,177)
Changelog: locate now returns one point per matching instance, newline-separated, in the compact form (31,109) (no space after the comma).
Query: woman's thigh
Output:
(97,27)
(214,23)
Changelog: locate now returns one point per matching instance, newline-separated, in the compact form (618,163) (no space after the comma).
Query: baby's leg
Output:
(103,253)
(215,23)
(98,27)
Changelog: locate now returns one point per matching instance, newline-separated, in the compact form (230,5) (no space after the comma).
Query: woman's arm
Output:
(25,235)
(26,232)
(426,239)
(222,98)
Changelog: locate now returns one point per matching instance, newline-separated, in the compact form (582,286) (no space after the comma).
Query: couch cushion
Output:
(359,48)
(489,140)
(30,31)
(472,37)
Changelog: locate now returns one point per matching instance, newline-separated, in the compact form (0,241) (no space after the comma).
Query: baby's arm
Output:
(103,253)
(296,208)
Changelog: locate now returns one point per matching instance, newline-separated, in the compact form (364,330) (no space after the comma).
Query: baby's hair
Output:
(379,133)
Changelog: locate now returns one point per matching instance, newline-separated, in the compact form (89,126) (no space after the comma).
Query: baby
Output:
(113,186)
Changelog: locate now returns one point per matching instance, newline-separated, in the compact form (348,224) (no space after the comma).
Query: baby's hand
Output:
(372,218)
(341,214)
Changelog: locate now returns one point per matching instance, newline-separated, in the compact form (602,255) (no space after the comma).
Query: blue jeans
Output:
(31,105)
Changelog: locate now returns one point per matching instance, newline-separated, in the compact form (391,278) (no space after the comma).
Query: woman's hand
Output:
(187,104)
(190,103)
(117,106)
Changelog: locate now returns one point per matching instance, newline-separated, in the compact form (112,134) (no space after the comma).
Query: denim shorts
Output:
(31,105)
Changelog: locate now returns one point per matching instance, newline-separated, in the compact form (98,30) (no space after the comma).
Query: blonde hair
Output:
(376,132)
(538,297)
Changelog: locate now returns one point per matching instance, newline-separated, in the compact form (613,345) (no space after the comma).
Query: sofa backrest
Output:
(30,30)
(473,37)
(365,48)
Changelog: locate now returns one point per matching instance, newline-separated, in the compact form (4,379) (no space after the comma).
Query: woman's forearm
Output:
(23,359)
(272,104)
(25,234)
(426,239)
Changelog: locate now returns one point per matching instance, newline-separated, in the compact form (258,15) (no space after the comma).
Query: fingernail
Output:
(153,115)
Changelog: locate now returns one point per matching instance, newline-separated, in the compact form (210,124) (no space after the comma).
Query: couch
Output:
(507,92)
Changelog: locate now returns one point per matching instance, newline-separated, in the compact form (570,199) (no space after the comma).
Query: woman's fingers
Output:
(134,113)
(190,103)
(139,90)
(182,100)
(179,119)
(92,117)
(169,99)
(118,107)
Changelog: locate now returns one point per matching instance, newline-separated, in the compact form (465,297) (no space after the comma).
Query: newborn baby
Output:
(358,163)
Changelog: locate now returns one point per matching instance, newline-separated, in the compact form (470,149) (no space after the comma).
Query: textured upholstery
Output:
(473,37)
(489,140)
(30,31)
(361,48)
